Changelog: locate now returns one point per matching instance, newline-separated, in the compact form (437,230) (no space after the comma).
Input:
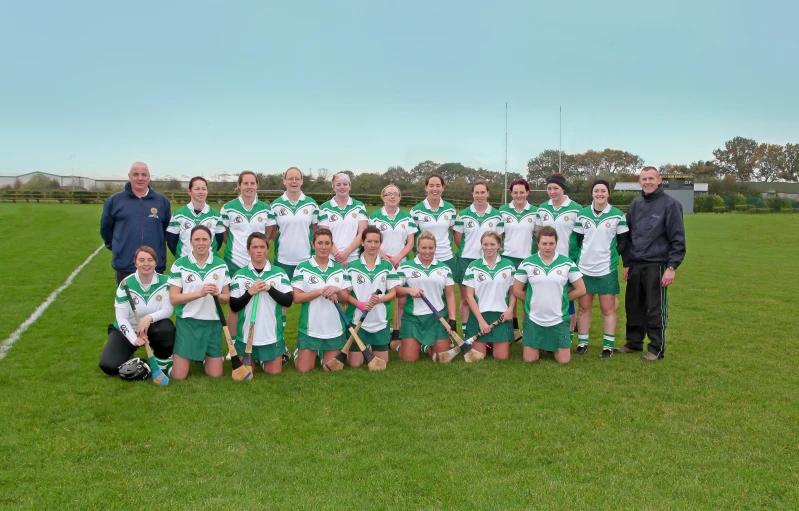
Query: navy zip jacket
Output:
(657,233)
(128,222)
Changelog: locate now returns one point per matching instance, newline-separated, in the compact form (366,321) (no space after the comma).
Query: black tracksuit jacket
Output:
(657,233)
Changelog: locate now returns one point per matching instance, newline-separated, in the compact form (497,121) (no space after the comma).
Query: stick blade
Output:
(445,357)
(333,365)
(159,378)
(377,364)
(241,373)
(474,356)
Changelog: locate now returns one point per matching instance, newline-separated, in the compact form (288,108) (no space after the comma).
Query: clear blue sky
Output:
(212,87)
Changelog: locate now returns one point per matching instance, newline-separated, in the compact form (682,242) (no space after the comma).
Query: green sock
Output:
(607,341)
(582,339)
(165,364)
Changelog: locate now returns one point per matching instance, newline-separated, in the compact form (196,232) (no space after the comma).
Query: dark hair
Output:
(480,182)
(517,182)
(257,236)
(431,176)
(600,182)
(201,228)
(322,231)
(244,173)
(558,179)
(547,230)
(371,230)
(145,248)
(191,183)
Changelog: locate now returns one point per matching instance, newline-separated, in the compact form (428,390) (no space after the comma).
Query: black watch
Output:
(672,268)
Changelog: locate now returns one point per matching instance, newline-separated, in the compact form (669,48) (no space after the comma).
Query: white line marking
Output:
(8,343)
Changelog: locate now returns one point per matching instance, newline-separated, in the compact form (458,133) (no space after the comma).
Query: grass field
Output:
(713,426)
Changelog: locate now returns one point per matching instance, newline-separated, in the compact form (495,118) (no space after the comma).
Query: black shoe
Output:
(606,353)
(581,349)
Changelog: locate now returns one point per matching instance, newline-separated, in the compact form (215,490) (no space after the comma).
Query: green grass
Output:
(713,426)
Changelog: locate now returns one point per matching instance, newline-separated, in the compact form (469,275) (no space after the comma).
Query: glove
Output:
(453,325)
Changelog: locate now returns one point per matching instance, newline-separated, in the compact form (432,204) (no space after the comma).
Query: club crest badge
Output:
(260,218)
(491,224)
(336,279)
(504,276)
(333,217)
(383,227)
(566,218)
(446,217)
(209,224)
(305,211)
(402,226)
(238,220)
(428,219)
(536,272)
(153,213)
(215,276)
(272,283)
(360,279)
(559,272)
(136,300)
(470,224)
(607,224)
(313,280)
(191,278)
(354,215)
(383,278)
(186,225)
(248,285)
(439,273)
(530,220)
(158,298)
(283,212)
(415,274)
(546,217)
(481,277)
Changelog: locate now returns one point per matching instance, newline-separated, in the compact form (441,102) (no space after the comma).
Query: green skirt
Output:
(426,329)
(502,332)
(306,342)
(287,268)
(196,339)
(604,285)
(378,341)
(460,268)
(452,264)
(265,353)
(548,338)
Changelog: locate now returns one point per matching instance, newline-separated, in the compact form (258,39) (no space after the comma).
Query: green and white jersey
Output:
(188,275)
(185,219)
(152,299)
(431,279)
(343,222)
(547,301)
(562,219)
(599,256)
(395,230)
(438,221)
(490,284)
(294,228)
(365,282)
(240,223)
(472,225)
(319,317)
(268,327)
(520,227)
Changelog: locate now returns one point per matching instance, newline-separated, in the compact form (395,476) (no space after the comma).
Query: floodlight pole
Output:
(72,166)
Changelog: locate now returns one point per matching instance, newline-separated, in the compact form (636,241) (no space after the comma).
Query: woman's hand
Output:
(395,261)
(341,256)
(484,327)
(210,289)
(144,324)
(257,287)
(140,341)
(330,292)
(415,292)
(507,315)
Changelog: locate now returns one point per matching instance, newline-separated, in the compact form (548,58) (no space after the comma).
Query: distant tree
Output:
(738,158)
(453,171)
(545,164)
(771,162)
(399,176)
(704,170)
(40,182)
(791,172)
(424,169)
(270,181)
(368,183)
(323,174)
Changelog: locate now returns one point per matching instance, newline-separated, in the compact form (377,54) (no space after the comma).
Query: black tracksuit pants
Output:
(647,308)
(119,350)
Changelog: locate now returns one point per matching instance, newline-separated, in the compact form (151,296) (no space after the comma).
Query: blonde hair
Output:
(491,234)
(390,185)
(426,235)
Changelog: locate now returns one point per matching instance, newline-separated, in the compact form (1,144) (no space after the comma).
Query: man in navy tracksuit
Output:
(134,217)
(656,249)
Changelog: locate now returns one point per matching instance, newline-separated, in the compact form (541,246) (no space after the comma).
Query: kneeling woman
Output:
(318,283)
(195,279)
(150,292)
(272,287)
(546,304)
(487,282)
(428,277)
(367,275)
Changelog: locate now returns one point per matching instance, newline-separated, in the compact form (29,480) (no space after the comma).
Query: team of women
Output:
(335,255)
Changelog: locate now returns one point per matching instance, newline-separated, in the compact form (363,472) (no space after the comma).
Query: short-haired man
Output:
(134,217)
(656,249)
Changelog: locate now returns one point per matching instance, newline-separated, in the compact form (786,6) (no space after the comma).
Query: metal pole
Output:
(72,165)
(505,190)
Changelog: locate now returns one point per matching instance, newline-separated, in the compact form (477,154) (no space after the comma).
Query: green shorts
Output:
(231,268)
(263,353)
(548,338)
(378,340)
(426,329)
(515,260)
(196,339)
(452,264)
(306,342)
(502,332)
(460,268)
(287,268)
(604,285)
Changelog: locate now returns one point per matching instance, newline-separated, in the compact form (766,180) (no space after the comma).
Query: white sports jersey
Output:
(395,230)
(185,219)
(268,327)
(241,222)
(598,255)
(152,299)
(294,221)
(490,284)
(365,282)
(343,222)
(319,317)
(562,219)
(438,221)
(430,279)
(547,301)
(188,275)
(519,229)
(472,225)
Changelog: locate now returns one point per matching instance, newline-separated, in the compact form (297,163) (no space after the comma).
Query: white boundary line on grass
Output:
(14,337)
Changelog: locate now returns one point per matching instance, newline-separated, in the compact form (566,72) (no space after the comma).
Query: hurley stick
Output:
(240,373)
(447,356)
(374,363)
(469,354)
(159,378)
(246,360)
(395,338)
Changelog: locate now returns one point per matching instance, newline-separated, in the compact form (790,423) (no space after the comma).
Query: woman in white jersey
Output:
(317,283)
(425,276)
(602,234)
(196,212)
(295,216)
(366,275)
(398,229)
(437,216)
(346,218)
(487,282)
(548,277)
(150,291)
(470,224)
(521,221)
(560,212)
(266,289)
(194,280)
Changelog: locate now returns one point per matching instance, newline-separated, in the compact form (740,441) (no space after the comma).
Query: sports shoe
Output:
(624,349)
(606,353)
(286,356)
(581,349)
(650,356)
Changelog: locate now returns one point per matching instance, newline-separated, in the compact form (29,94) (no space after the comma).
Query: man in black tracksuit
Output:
(656,249)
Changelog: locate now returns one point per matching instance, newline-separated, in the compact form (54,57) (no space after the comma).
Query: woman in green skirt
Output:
(367,275)
(547,276)
(425,276)
(194,280)
(487,284)
(318,283)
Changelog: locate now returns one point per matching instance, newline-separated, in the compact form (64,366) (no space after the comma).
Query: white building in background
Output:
(681,187)
(79,182)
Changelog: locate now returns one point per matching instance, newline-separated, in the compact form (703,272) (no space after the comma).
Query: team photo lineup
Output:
(367,284)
